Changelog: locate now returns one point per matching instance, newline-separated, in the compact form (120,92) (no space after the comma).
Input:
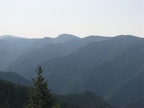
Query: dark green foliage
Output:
(12,95)
(57,105)
(15,96)
(40,96)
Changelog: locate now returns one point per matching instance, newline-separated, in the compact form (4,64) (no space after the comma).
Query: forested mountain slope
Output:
(14,78)
(136,104)
(118,80)
(16,96)
(64,70)
(84,100)
(12,95)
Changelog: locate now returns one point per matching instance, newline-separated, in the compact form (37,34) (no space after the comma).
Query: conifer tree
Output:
(39,96)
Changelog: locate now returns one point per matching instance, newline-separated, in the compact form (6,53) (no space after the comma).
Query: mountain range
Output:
(111,67)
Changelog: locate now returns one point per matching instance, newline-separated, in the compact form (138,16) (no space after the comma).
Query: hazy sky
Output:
(40,18)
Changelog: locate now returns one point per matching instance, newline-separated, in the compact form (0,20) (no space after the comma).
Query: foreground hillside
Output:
(15,96)
(12,95)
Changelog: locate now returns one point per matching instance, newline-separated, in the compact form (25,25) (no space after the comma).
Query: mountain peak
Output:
(66,37)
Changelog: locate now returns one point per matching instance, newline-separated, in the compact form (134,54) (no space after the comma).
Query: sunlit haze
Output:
(40,18)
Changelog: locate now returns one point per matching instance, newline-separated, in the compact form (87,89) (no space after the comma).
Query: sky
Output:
(50,18)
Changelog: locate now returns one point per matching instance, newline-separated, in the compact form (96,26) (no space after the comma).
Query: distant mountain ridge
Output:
(10,37)
(51,50)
